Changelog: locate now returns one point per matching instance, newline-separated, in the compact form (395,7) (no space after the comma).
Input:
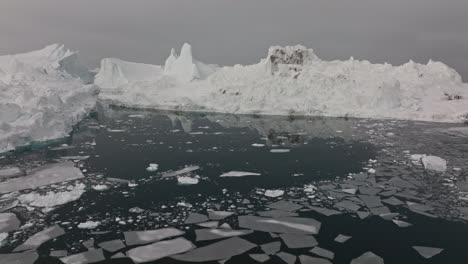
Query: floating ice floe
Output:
(239,174)
(112,246)
(9,222)
(20,258)
(305,259)
(366,258)
(187,181)
(144,237)
(342,238)
(322,252)
(10,172)
(91,256)
(180,172)
(258,145)
(40,238)
(100,187)
(74,157)
(428,252)
(45,175)
(195,218)
(52,199)
(152,167)
(434,163)
(217,251)
(89,225)
(280,150)
(211,234)
(3,238)
(160,250)
(298,240)
(286,225)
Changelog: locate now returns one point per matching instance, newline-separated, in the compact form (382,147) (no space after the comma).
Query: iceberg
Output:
(293,80)
(43,94)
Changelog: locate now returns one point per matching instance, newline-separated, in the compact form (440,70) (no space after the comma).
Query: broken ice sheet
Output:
(322,252)
(149,236)
(271,248)
(40,238)
(219,215)
(19,258)
(304,259)
(90,256)
(112,246)
(285,206)
(160,250)
(259,257)
(276,213)
(342,238)
(291,225)
(10,172)
(298,241)
(324,211)
(274,193)
(45,175)
(210,234)
(286,257)
(217,251)
(195,218)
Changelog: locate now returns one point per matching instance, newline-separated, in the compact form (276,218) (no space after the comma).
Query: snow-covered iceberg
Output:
(295,81)
(42,95)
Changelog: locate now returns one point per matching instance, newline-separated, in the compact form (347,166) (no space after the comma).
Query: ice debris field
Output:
(45,93)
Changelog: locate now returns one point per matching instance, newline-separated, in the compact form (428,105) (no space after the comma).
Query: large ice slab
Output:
(288,225)
(45,175)
(149,236)
(91,256)
(210,234)
(160,250)
(217,251)
(8,222)
(19,258)
(434,163)
(40,238)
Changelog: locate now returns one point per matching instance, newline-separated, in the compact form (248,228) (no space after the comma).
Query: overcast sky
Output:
(240,31)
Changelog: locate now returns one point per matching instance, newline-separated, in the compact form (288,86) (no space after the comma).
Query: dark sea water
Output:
(327,153)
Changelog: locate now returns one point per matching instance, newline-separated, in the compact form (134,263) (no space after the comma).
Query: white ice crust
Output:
(42,95)
(293,80)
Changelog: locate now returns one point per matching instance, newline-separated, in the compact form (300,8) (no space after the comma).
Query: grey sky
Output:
(240,31)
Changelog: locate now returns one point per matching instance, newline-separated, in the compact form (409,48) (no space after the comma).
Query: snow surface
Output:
(42,95)
(295,81)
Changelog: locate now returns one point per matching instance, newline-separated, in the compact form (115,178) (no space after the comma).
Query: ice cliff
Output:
(42,95)
(293,80)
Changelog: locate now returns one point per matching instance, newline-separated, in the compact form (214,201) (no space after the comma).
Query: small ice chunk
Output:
(90,256)
(367,258)
(434,163)
(217,251)
(40,238)
(274,193)
(401,223)
(144,237)
(428,252)
(271,248)
(187,181)
(371,171)
(298,241)
(239,174)
(100,187)
(3,237)
(9,222)
(280,150)
(89,225)
(152,167)
(342,238)
(74,157)
(258,145)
